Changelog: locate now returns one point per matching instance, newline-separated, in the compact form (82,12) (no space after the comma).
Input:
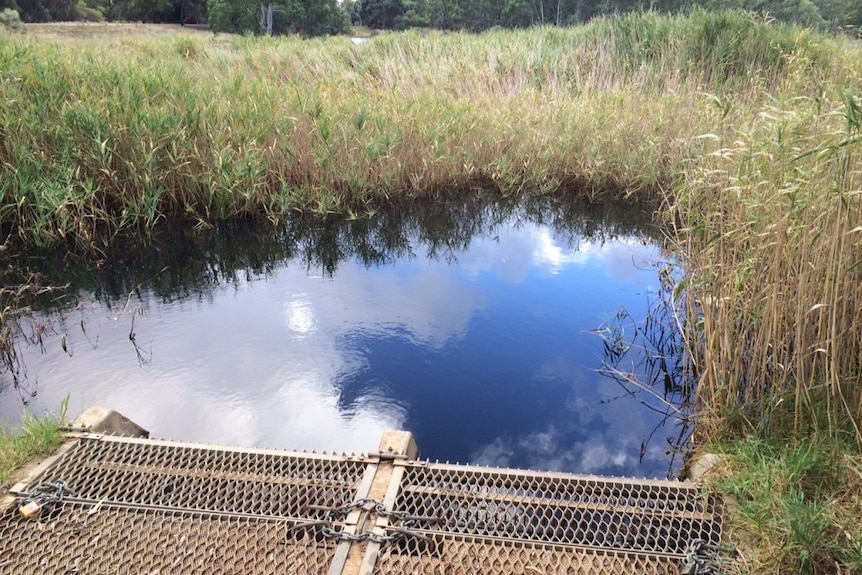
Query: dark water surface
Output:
(471,326)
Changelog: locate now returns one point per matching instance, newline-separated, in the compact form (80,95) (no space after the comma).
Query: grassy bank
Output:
(796,504)
(747,137)
(38,436)
(105,135)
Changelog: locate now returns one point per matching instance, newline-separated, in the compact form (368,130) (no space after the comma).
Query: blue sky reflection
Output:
(488,359)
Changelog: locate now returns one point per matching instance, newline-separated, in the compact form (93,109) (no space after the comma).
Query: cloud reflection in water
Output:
(487,358)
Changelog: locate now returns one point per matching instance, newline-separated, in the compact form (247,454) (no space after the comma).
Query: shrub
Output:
(9,18)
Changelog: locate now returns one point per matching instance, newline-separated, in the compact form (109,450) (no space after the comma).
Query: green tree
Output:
(381,13)
(238,16)
(517,14)
(174,11)
(142,10)
(57,10)
(841,15)
(351,8)
(446,14)
(9,18)
(89,10)
(32,11)
(320,18)
(485,14)
(802,12)
(190,11)
(413,16)
(307,17)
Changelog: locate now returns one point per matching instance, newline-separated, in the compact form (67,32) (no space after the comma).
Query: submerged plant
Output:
(650,359)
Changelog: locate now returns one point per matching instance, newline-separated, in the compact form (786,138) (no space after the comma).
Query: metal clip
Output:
(390,533)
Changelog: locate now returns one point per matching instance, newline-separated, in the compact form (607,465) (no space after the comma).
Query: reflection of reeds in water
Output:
(18,326)
(649,357)
(179,263)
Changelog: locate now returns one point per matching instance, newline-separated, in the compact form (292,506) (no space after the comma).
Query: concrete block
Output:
(702,465)
(109,422)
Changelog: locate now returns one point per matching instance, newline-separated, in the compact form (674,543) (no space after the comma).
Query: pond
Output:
(477,327)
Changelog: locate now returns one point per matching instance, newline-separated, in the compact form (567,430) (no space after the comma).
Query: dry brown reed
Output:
(770,223)
(112,134)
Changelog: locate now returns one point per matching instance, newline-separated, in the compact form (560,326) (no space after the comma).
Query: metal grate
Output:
(144,507)
(453,555)
(107,540)
(652,517)
(152,473)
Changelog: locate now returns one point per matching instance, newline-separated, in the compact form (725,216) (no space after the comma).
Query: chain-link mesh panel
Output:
(454,555)
(652,517)
(106,540)
(269,484)
(116,506)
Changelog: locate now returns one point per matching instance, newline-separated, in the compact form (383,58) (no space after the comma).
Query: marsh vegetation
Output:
(37,436)
(743,136)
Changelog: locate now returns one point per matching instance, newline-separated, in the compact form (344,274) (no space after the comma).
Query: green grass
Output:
(796,505)
(38,436)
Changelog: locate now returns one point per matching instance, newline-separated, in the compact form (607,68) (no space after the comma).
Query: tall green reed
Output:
(124,134)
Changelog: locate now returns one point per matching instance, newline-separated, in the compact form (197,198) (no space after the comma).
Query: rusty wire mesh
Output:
(141,507)
(269,484)
(652,517)
(96,539)
(456,555)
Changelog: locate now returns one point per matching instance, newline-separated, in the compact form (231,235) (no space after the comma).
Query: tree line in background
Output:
(477,15)
(306,17)
(320,17)
(162,11)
